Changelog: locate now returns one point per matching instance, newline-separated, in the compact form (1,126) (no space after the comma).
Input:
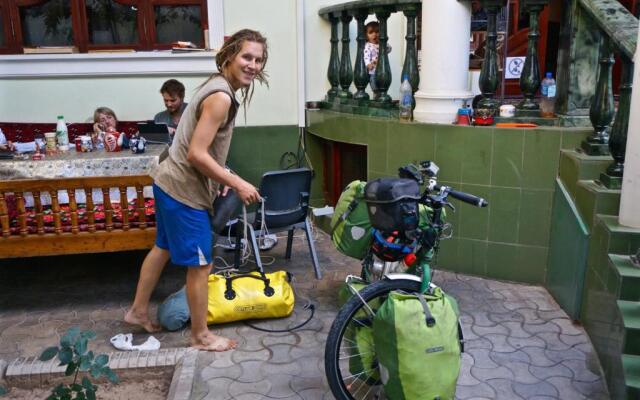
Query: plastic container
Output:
(548,91)
(406,100)
(62,135)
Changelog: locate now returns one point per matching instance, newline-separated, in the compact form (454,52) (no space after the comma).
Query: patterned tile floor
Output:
(519,343)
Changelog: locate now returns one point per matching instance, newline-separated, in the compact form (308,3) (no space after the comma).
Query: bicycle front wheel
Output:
(350,362)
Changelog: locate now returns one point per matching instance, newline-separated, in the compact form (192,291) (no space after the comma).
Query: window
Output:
(94,25)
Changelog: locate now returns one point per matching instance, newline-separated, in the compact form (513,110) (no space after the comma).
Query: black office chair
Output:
(286,197)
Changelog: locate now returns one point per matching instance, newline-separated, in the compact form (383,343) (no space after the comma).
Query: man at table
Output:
(4,144)
(172,92)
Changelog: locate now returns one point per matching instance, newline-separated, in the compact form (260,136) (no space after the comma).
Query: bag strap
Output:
(427,313)
(230,294)
(307,306)
(352,206)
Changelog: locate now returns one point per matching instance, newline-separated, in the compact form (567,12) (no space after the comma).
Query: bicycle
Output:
(384,269)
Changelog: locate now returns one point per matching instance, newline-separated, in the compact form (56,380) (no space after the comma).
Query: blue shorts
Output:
(183,230)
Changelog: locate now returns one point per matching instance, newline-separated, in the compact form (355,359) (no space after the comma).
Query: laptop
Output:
(154,133)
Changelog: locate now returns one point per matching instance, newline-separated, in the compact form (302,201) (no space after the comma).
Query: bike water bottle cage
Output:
(389,251)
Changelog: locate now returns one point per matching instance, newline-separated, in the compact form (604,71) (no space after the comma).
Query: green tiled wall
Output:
(514,169)
(256,150)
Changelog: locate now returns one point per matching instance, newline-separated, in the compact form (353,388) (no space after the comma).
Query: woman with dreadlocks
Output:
(187,181)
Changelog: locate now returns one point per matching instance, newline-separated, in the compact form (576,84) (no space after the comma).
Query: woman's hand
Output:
(247,192)
(97,127)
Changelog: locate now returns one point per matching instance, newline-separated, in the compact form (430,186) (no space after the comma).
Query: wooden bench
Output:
(25,233)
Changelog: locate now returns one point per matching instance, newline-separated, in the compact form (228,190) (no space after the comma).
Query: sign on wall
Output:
(513,68)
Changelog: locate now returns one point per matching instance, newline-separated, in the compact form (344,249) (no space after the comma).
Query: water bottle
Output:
(406,100)
(548,90)
(62,135)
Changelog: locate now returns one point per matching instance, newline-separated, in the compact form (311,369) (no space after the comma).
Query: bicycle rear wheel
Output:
(349,358)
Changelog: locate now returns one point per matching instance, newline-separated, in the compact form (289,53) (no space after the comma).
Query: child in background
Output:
(371,51)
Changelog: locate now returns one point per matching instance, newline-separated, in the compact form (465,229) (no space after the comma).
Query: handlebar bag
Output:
(350,225)
(392,204)
(417,343)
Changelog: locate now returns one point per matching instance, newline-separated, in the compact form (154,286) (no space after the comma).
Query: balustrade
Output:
(341,73)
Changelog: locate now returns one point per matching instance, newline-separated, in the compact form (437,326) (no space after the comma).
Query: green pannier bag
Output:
(417,345)
(350,225)
(363,364)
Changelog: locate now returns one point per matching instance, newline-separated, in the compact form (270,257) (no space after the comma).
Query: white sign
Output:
(514,67)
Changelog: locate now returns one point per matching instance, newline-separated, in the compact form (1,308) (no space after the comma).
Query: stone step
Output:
(576,166)
(591,198)
(629,275)
(622,239)
(630,311)
(631,367)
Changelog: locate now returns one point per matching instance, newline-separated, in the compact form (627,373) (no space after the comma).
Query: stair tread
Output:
(631,366)
(624,265)
(630,311)
(592,186)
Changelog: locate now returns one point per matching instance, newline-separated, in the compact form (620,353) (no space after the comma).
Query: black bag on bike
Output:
(393,204)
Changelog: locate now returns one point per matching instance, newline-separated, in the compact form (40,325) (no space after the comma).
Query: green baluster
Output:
(530,78)
(618,139)
(383,70)
(346,71)
(361,75)
(410,67)
(602,107)
(488,80)
(333,72)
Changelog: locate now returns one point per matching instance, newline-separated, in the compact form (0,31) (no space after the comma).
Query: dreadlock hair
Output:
(231,48)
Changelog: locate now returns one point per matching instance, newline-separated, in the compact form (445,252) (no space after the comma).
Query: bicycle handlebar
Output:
(464,197)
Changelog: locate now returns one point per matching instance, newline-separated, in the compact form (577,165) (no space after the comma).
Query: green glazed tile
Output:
(504,209)
(572,138)
(410,143)
(532,264)
(541,157)
(473,222)
(476,160)
(507,166)
(535,217)
(502,261)
(449,152)
(448,255)
(472,256)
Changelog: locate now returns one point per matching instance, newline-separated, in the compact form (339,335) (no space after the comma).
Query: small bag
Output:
(249,296)
(418,344)
(393,204)
(350,225)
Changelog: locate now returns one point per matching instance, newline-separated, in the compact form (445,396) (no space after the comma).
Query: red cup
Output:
(78,143)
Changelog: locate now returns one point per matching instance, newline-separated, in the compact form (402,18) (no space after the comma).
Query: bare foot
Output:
(211,342)
(143,321)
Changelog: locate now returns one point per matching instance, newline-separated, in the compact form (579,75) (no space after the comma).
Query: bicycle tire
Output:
(343,320)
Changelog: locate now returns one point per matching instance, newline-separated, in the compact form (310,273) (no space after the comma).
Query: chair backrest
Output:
(286,195)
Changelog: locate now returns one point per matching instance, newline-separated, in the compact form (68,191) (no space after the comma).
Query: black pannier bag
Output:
(393,204)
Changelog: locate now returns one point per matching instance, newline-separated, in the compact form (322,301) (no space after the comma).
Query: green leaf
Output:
(70,336)
(102,360)
(71,368)
(76,388)
(89,355)
(96,372)
(86,383)
(85,363)
(88,335)
(91,394)
(3,391)
(49,353)
(59,390)
(65,356)
(113,378)
(81,396)
(81,346)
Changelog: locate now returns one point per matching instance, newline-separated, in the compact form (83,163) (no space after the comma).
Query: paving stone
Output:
(280,386)
(480,343)
(482,319)
(552,341)
(314,394)
(538,357)
(499,343)
(506,358)
(565,389)
(569,354)
(572,340)
(481,390)
(581,372)
(538,328)
(480,358)
(299,384)
(486,330)
(238,356)
(531,316)
(237,388)
(504,389)
(484,374)
(233,372)
(528,390)
(520,370)
(469,360)
(515,330)
(501,318)
(554,370)
(520,305)
(568,327)
(530,341)
(595,390)
(252,371)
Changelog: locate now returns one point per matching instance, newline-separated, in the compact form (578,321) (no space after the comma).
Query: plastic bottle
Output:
(62,135)
(548,90)
(406,100)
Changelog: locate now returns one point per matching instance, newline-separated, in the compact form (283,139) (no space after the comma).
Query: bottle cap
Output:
(548,75)
(405,77)
(409,259)
(60,116)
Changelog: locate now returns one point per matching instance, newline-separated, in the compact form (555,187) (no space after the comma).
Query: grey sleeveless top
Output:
(175,175)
